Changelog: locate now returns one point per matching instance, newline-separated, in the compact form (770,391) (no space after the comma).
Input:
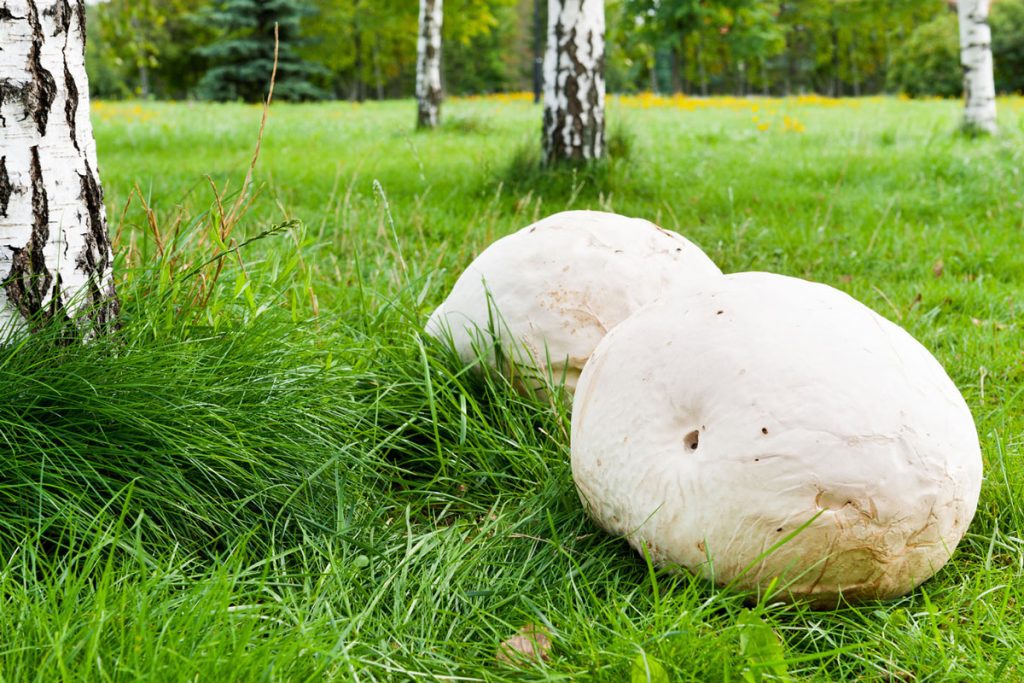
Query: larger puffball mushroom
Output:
(763,428)
(537,302)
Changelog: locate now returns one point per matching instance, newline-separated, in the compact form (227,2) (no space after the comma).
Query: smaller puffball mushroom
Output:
(761,428)
(535,303)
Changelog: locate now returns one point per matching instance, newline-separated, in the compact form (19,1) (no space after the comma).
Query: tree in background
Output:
(55,255)
(487,45)
(145,47)
(976,58)
(692,41)
(574,86)
(428,64)
(243,58)
(752,38)
(665,25)
(369,46)
(1008,44)
(928,62)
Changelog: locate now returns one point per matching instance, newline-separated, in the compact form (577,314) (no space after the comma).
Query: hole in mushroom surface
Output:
(691,440)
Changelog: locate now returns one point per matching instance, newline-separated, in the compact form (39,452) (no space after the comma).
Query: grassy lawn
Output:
(268,474)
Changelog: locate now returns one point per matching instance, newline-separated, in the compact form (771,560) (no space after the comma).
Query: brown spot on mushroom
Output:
(691,440)
(720,313)
(701,546)
(764,430)
(826,500)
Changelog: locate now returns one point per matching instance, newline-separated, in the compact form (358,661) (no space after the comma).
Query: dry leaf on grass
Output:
(529,645)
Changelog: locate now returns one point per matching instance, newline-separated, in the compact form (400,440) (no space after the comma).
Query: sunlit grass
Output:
(285,481)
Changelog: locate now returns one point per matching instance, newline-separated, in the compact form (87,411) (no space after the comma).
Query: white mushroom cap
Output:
(551,291)
(712,426)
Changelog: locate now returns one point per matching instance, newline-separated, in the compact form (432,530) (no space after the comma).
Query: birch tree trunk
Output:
(55,256)
(428,64)
(574,81)
(976,58)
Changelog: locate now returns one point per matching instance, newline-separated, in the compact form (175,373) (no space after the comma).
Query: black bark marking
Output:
(29,279)
(39,93)
(71,104)
(80,6)
(7,88)
(94,260)
(61,13)
(6,189)
(5,14)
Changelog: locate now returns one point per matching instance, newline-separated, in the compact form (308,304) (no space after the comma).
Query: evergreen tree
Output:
(242,60)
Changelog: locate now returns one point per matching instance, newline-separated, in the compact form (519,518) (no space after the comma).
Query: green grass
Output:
(288,482)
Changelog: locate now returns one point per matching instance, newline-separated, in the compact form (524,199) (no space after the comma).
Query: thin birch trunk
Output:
(701,69)
(377,76)
(976,58)
(358,87)
(55,255)
(574,81)
(677,80)
(428,64)
(854,71)
(538,51)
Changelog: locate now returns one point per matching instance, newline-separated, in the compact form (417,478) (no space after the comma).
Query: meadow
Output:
(269,474)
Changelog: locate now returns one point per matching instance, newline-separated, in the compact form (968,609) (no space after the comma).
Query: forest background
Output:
(366,49)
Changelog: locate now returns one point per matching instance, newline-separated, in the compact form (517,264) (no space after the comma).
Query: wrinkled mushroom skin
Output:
(547,294)
(711,426)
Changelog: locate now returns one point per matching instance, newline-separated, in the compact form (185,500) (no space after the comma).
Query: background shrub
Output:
(929,62)
(1008,45)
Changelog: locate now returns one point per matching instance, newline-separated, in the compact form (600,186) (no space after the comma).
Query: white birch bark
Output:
(976,58)
(574,81)
(55,256)
(428,64)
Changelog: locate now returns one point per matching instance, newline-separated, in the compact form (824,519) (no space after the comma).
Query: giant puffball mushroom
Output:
(761,427)
(537,302)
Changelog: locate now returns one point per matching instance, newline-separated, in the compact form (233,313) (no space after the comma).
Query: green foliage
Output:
(106,80)
(369,46)
(1007,20)
(476,54)
(144,47)
(929,62)
(242,59)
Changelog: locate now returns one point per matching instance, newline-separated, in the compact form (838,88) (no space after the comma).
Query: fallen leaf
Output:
(846,279)
(647,669)
(530,644)
(938,268)
(761,646)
